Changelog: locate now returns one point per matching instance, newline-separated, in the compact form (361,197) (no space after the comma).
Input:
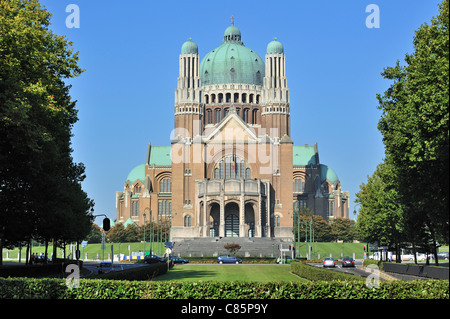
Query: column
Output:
(222,216)
(242,214)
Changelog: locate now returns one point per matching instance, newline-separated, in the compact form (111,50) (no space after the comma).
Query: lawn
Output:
(246,272)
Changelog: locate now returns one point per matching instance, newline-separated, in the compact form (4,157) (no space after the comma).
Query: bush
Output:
(25,288)
(379,263)
(37,270)
(314,273)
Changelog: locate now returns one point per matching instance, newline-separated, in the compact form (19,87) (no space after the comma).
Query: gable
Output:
(231,129)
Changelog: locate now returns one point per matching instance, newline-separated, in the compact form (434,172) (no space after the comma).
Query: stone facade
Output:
(232,169)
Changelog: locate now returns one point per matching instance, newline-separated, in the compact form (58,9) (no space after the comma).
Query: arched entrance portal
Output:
(214,218)
(249,220)
(232,220)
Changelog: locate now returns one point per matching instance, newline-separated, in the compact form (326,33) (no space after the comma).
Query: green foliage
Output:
(380,218)
(22,288)
(315,273)
(405,201)
(40,191)
(232,248)
(415,130)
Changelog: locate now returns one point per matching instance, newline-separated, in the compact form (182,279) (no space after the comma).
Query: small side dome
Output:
(275,47)
(137,173)
(189,47)
(327,173)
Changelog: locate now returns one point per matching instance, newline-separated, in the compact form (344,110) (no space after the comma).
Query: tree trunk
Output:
(1,250)
(46,250)
(54,251)
(27,255)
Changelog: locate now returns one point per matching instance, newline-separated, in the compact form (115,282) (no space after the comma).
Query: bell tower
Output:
(276,109)
(188,109)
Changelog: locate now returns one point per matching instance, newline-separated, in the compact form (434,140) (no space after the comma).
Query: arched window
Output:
(216,173)
(299,185)
(135,208)
(165,207)
(187,221)
(246,115)
(231,167)
(218,115)
(165,186)
(255,116)
(332,208)
(209,118)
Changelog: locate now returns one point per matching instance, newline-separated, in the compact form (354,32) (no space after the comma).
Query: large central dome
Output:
(232,62)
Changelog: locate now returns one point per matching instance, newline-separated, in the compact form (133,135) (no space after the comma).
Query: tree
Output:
(36,118)
(232,248)
(381,217)
(343,229)
(415,129)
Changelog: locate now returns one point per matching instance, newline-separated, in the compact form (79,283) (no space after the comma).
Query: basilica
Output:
(231,168)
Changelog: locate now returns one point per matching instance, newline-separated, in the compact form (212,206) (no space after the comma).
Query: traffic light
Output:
(106,224)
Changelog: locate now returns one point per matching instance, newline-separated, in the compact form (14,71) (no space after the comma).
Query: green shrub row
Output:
(315,273)
(37,270)
(379,263)
(28,288)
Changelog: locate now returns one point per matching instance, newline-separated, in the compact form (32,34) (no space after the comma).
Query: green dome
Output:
(275,47)
(137,173)
(232,33)
(232,62)
(189,47)
(327,173)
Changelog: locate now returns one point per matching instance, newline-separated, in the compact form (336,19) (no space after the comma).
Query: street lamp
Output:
(145,215)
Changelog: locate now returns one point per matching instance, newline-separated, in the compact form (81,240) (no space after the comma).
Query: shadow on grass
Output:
(187,274)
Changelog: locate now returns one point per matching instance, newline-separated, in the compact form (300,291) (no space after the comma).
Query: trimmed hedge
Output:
(25,288)
(37,270)
(315,273)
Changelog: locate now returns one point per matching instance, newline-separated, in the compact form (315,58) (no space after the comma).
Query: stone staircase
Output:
(213,246)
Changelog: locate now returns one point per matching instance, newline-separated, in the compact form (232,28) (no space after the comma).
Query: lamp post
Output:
(354,213)
(145,215)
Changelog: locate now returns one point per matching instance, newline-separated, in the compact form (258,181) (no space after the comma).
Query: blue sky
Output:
(333,63)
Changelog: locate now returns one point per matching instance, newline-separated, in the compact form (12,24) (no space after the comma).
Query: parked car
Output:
(178,260)
(106,266)
(443,255)
(348,262)
(286,260)
(222,259)
(154,259)
(329,262)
